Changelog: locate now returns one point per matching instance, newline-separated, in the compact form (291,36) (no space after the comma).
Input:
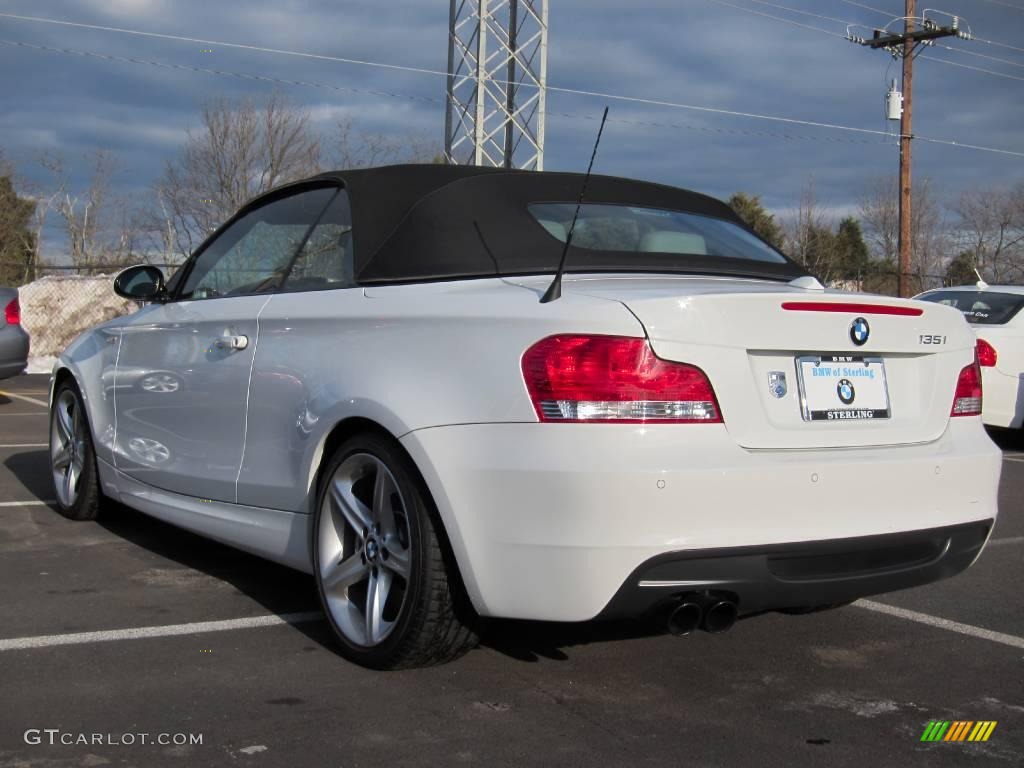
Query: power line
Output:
(801,12)
(999,45)
(974,39)
(980,55)
(778,18)
(222,72)
(870,8)
(725,131)
(972,67)
(836,34)
(1006,5)
(570,91)
(223,44)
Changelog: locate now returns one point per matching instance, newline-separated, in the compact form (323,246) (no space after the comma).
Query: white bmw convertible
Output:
(356,376)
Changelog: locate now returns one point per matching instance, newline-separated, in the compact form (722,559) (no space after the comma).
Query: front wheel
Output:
(388,586)
(72,457)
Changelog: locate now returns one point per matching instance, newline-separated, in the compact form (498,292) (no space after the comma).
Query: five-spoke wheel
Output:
(387,582)
(72,461)
(364,541)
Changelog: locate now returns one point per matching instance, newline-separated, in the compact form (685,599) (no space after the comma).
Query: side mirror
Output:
(141,283)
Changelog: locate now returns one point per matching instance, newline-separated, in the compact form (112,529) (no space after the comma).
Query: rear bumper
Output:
(1003,404)
(802,575)
(549,521)
(14,343)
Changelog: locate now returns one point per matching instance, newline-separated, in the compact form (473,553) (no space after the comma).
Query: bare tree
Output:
(355,148)
(990,228)
(101,229)
(809,236)
(241,150)
(929,241)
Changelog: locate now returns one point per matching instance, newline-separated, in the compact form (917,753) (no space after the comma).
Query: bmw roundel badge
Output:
(845,391)
(859,331)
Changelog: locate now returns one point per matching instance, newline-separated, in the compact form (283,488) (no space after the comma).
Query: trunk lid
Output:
(749,336)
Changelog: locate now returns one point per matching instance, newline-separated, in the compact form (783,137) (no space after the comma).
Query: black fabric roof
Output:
(435,222)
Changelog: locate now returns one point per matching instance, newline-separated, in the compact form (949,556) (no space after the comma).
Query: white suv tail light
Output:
(579,378)
(967,398)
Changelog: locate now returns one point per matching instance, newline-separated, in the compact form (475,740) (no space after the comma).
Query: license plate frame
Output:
(813,412)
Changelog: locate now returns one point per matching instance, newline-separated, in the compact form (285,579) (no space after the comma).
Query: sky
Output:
(712,53)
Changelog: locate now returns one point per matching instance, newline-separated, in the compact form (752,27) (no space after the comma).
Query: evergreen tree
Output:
(960,271)
(852,260)
(750,209)
(17,243)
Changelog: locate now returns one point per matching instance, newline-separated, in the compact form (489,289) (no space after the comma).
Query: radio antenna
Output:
(554,290)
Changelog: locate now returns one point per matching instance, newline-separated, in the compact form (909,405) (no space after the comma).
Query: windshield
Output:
(624,228)
(980,307)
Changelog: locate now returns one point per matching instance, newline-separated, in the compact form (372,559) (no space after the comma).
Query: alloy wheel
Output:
(365,550)
(67,447)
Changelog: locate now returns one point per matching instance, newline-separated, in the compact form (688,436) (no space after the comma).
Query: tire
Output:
(72,456)
(379,552)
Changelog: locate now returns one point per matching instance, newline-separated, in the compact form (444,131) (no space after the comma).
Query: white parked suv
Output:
(994,312)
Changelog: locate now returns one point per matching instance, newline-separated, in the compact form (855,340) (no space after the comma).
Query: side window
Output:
(253,254)
(325,260)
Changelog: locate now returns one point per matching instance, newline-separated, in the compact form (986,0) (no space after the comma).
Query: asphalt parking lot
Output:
(853,687)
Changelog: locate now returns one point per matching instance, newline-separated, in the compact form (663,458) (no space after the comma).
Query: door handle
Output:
(232,342)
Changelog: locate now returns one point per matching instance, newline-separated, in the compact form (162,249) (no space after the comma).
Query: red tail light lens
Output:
(967,398)
(614,379)
(987,356)
(12,312)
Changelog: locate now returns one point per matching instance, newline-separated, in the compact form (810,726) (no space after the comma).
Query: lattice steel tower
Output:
(497,77)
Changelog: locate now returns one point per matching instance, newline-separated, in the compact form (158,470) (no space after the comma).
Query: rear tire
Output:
(387,581)
(72,456)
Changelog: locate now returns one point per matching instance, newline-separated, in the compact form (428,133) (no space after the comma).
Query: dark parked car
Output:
(13,339)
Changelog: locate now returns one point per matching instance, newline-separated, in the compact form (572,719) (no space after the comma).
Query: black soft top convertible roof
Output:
(436,222)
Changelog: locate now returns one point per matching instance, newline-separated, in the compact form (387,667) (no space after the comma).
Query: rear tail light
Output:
(12,312)
(614,379)
(967,398)
(987,356)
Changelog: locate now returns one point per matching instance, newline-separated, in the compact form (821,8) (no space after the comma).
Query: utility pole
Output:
(497,83)
(906,122)
(905,45)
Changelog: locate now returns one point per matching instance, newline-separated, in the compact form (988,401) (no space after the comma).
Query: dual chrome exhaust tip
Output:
(701,611)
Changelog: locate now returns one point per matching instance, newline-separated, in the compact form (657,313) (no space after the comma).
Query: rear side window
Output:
(980,307)
(628,229)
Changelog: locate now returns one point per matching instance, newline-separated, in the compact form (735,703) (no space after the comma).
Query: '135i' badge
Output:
(777,383)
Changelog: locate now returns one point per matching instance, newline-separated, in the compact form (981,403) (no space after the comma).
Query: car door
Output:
(183,368)
(304,361)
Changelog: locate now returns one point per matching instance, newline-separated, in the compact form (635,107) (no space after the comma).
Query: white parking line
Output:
(138,633)
(35,400)
(25,445)
(33,503)
(1007,540)
(951,626)
(1013,458)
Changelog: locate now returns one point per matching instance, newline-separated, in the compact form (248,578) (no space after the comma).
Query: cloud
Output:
(693,52)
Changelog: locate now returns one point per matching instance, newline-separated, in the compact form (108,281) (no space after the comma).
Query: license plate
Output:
(842,387)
